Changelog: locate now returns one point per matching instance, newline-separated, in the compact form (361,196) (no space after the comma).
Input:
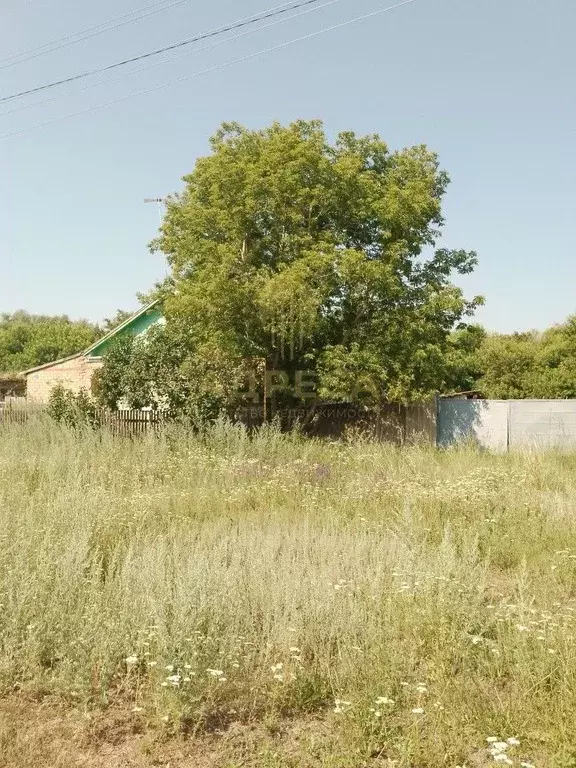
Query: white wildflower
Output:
(174,679)
(417,711)
(524,764)
(384,700)
(341,705)
(215,672)
(131,660)
(513,741)
(502,757)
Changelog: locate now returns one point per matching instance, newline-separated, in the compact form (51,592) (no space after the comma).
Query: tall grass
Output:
(418,602)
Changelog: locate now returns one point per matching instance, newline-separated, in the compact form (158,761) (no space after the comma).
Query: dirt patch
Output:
(46,734)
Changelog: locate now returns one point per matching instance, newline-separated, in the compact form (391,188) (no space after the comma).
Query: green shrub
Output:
(72,409)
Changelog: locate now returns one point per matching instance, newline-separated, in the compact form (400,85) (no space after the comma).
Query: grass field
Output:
(220,601)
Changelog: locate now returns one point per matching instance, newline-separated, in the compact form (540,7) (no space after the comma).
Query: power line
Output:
(204,36)
(215,44)
(86,34)
(209,69)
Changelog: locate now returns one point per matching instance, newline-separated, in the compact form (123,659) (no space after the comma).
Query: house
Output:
(75,372)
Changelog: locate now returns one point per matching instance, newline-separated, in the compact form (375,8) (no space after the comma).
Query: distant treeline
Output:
(28,340)
(519,365)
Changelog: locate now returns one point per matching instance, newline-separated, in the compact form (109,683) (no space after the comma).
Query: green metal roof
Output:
(136,324)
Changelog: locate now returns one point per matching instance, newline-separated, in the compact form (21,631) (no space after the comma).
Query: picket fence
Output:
(126,422)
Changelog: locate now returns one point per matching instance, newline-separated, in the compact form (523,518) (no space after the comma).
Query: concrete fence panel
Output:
(482,422)
(543,424)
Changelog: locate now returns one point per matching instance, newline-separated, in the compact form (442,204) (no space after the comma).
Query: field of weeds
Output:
(279,602)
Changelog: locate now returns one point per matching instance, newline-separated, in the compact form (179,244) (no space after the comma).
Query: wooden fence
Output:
(392,423)
(10,414)
(119,423)
(129,423)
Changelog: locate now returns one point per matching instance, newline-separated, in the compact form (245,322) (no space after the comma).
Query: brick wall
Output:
(74,374)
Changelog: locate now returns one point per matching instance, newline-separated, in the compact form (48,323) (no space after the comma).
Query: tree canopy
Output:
(529,365)
(306,254)
(29,340)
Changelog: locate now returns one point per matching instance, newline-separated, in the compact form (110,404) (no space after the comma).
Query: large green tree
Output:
(28,340)
(287,248)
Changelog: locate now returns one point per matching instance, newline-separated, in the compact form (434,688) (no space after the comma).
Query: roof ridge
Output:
(51,363)
(118,328)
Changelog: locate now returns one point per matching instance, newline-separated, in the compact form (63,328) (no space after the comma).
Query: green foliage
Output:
(113,322)
(462,358)
(109,383)
(163,369)
(308,254)
(30,340)
(529,365)
(72,409)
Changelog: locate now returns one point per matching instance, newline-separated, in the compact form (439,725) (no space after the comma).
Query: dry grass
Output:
(274,602)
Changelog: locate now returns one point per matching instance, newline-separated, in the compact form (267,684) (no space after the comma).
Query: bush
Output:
(71,409)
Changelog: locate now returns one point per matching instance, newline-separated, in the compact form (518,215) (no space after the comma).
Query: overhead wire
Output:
(86,34)
(208,70)
(196,51)
(254,19)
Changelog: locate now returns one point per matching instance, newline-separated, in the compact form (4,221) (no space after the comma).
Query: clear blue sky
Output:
(488,84)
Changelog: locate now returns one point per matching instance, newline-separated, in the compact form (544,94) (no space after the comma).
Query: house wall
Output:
(74,374)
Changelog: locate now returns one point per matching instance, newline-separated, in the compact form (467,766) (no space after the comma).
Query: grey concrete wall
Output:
(542,423)
(482,422)
(499,424)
